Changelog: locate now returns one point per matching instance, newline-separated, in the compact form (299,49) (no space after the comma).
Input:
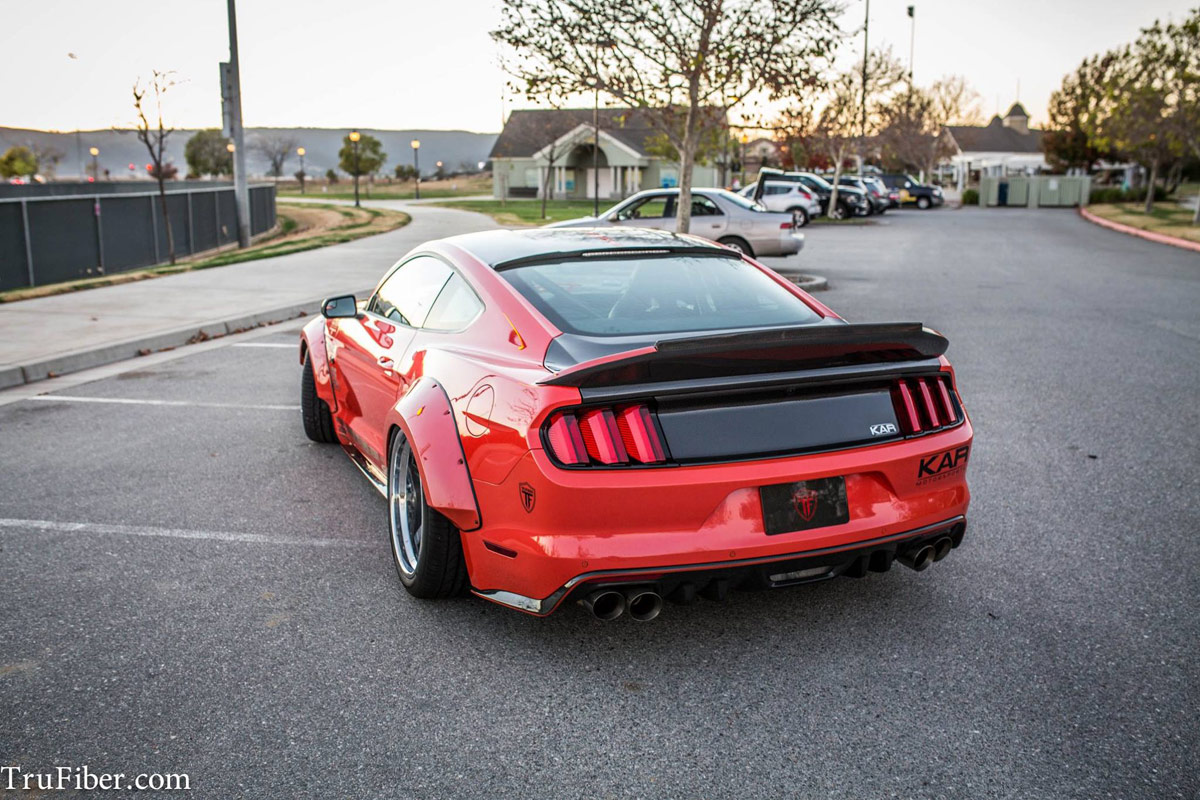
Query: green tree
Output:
(331,176)
(18,162)
(684,63)
(405,172)
(370,156)
(207,153)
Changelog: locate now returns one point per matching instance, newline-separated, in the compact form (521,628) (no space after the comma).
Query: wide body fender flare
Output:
(425,416)
(312,343)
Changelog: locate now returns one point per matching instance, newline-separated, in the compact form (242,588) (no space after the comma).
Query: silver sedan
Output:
(722,216)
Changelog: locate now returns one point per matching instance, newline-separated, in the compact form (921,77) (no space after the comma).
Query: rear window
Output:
(675,294)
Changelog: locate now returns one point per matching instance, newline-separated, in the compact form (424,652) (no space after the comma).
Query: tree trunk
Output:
(837,173)
(1150,186)
(683,214)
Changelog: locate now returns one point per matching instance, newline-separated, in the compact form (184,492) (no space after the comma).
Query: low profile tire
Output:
(840,212)
(922,203)
(737,243)
(426,547)
(799,217)
(318,422)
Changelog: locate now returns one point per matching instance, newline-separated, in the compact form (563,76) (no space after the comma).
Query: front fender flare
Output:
(312,343)
(425,416)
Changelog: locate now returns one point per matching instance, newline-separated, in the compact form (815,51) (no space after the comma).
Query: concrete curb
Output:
(1161,238)
(77,360)
(809,283)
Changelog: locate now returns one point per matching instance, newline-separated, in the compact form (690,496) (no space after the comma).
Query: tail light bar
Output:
(925,404)
(601,437)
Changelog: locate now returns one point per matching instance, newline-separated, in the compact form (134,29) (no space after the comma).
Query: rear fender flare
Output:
(425,416)
(312,344)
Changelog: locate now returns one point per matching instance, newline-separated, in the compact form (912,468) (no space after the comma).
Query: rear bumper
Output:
(588,523)
(713,580)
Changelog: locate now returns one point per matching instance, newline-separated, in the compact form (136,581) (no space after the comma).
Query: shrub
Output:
(970,197)
(1115,194)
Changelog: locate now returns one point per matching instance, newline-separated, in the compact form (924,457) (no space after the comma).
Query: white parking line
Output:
(173,533)
(288,345)
(66,398)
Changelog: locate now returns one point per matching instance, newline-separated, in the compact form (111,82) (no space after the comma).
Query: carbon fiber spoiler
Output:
(722,355)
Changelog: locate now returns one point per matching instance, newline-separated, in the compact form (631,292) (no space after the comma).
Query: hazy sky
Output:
(431,64)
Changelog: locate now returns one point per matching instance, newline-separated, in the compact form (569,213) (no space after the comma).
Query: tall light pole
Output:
(95,163)
(354,137)
(866,51)
(416,146)
(912,38)
(300,151)
(606,43)
(241,187)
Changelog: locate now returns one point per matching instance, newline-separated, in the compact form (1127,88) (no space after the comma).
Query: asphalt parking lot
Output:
(187,584)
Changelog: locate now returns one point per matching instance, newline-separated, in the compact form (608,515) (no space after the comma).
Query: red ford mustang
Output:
(622,416)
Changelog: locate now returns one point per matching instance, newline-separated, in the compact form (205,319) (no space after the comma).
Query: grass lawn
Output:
(1167,218)
(389,189)
(529,212)
(302,226)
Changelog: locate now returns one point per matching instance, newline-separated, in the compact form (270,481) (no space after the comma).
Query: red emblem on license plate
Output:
(805,502)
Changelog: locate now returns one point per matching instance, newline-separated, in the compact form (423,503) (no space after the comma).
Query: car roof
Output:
(499,247)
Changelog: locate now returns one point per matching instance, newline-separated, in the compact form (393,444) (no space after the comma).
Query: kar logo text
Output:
(940,463)
(884,429)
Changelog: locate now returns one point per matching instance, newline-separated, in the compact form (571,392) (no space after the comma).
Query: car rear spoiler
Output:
(767,350)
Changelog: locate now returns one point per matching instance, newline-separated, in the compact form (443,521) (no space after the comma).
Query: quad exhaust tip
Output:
(643,604)
(606,604)
(917,558)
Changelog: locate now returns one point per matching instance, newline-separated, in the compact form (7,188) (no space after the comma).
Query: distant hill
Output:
(119,148)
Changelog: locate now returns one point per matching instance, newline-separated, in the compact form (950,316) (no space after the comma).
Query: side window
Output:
(778,189)
(703,207)
(407,295)
(455,308)
(656,207)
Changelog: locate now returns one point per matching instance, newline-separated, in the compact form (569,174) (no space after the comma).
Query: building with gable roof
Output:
(537,145)
(1005,146)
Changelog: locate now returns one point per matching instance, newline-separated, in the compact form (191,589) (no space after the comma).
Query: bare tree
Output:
(685,63)
(276,149)
(832,123)
(155,139)
(954,102)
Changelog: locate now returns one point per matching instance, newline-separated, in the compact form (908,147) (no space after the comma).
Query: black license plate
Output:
(803,505)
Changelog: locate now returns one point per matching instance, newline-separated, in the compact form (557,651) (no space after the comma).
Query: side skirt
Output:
(367,469)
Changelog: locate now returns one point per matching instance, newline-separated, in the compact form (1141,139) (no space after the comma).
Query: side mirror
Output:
(339,307)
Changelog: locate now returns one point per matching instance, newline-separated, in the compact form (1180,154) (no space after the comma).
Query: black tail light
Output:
(605,437)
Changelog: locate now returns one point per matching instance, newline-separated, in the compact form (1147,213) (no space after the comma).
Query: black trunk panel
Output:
(717,431)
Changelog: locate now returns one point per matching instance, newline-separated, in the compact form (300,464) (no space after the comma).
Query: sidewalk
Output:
(69,332)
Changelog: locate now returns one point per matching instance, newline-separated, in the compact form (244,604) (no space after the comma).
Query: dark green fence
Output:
(53,238)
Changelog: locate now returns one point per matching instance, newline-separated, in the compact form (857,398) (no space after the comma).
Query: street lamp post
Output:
(354,137)
(416,146)
(439,170)
(606,43)
(95,151)
(300,152)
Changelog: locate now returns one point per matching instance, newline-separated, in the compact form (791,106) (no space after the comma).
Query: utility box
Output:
(1033,191)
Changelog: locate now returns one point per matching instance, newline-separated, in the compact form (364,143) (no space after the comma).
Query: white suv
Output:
(788,196)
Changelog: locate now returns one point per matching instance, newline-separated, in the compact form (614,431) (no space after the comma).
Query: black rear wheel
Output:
(318,422)
(426,547)
(799,216)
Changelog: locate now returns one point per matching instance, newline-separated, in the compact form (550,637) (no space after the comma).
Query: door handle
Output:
(385,362)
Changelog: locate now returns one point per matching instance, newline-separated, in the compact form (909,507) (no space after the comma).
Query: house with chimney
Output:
(1005,146)
(557,150)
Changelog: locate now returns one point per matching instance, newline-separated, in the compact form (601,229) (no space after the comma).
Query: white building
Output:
(1005,146)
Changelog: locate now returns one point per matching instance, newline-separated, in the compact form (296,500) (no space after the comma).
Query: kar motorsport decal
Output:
(940,466)
(884,429)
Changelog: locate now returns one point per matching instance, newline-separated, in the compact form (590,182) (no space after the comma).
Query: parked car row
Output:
(764,218)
